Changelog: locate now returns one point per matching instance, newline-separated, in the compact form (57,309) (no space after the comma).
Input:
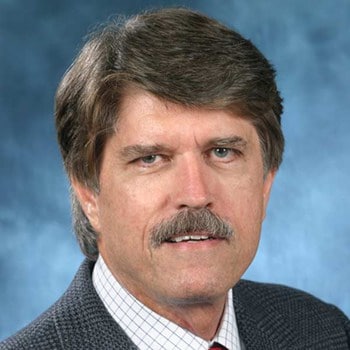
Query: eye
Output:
(222,152)
(150,159)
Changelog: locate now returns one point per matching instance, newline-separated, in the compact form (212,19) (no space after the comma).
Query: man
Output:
(169,127)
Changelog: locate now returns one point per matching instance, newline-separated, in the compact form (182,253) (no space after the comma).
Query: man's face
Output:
(165,159)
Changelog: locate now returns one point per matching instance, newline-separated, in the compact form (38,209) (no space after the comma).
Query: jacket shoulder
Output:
(78,320)
(290,316)
(40,334)
(284,298)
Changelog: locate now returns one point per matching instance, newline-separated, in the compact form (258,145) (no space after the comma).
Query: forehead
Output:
(141,111)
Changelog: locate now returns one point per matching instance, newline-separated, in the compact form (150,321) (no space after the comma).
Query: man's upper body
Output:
(169,126)
(268,317)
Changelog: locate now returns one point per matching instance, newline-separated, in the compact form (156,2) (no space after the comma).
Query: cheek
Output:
(244,202)
(245,211)
(246,221)
(126,212)
(250,212)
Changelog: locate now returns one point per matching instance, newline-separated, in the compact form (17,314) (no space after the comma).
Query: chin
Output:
(196,291)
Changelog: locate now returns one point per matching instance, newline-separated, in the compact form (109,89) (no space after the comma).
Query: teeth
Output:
(189,238)
(198,238)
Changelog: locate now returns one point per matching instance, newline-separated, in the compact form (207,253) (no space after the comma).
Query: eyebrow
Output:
(231,141)
(136,151)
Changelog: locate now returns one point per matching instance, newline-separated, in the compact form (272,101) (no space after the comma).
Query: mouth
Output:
(191,227)
(190,238)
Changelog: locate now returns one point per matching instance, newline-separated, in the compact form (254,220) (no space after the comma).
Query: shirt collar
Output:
(147,329)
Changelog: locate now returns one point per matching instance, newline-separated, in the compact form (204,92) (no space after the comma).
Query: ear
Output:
(88,202)
(267,186)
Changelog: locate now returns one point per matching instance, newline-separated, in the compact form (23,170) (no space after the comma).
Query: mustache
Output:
(190,221)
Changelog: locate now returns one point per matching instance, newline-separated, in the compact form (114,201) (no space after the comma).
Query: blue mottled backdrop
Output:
(306,237)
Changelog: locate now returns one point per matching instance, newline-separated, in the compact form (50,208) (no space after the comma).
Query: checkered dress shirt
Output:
(147,329)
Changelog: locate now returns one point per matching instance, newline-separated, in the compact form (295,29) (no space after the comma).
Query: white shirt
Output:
(147,329)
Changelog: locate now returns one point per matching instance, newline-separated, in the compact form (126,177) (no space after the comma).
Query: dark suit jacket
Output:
(268,317)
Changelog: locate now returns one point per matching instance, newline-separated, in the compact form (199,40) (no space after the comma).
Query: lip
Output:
(190,238)
(195,245)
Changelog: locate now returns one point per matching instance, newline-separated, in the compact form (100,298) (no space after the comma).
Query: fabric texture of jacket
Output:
(268,317)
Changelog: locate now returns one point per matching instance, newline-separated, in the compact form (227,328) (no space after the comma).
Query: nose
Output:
(192,184)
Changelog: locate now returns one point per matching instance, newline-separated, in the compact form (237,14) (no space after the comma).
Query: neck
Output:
(201,319)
